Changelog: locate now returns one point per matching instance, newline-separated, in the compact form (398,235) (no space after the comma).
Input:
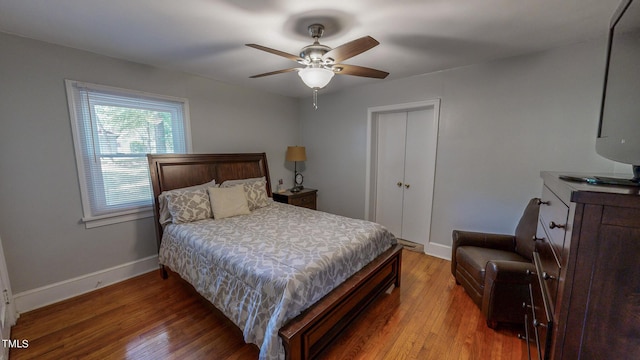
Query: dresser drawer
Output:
(533,343)
(554,215)
(308,201)
(549,264)
(532,335)
(542,323)
(304,198)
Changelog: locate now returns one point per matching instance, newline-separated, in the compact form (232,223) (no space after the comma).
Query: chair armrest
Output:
(506,288)
(485,240)
(507,272)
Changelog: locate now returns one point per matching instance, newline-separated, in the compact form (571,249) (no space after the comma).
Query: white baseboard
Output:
(49,294)
(438,250)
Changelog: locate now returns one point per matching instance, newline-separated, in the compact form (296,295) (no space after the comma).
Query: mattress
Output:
(265,268)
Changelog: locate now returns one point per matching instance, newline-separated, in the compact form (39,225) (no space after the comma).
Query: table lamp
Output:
(295,154)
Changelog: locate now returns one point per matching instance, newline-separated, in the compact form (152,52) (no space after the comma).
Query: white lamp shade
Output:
(315,78)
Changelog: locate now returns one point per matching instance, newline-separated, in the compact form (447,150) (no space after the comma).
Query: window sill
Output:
(110,219)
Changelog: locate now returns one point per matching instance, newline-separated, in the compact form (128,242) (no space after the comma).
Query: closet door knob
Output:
(407,186)
(399,184)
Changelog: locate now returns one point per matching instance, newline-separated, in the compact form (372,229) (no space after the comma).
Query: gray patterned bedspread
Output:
(263,269)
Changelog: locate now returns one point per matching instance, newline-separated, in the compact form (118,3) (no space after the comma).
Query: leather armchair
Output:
(492,268)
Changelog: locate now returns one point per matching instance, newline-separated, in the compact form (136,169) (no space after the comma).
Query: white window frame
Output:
(134,212)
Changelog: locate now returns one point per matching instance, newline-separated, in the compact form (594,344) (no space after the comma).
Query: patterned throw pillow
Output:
(165,215)
(256,193)
(255,190)
(189,205)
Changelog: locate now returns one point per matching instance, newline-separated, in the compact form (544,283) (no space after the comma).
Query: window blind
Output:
(114,129)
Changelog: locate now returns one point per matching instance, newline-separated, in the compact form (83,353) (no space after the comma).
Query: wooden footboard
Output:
(307,335)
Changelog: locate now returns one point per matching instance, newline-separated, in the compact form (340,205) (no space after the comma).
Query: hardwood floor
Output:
(429,317)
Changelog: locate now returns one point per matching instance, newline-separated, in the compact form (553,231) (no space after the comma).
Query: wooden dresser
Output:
(304,198)
(585,292)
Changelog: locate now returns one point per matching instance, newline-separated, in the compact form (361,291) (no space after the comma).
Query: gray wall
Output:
(40,209)
(501,123)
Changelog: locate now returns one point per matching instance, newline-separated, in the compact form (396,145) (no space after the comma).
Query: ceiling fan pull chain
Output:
(315,99)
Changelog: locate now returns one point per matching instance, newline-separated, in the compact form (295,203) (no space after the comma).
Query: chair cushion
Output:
(473,260)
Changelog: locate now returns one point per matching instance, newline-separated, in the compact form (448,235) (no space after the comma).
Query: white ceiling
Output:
(207,37)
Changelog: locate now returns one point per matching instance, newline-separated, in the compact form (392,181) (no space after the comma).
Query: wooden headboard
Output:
(174,171)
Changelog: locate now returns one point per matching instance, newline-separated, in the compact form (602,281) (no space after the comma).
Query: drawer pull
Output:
(546,276)
(540,202)
(525,337)
(525,305)
(535,238)
(553,225)
(537,323)
(529,272)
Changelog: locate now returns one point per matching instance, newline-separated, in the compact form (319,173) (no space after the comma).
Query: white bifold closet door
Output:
(402,196)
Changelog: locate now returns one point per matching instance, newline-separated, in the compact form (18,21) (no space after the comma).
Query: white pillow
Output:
(227,202)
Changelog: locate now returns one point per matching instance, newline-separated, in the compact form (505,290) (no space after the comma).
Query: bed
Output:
(308,314)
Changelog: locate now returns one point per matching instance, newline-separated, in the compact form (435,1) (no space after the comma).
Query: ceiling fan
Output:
(322,62)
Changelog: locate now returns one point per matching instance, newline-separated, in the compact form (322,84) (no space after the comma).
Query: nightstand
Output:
(304,198)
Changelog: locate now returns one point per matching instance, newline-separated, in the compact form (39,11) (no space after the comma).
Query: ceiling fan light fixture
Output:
(315,77)
(322,62)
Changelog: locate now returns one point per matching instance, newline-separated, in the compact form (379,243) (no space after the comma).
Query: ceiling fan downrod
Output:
(316,31)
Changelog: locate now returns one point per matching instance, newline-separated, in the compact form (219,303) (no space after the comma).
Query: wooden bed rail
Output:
(305,336)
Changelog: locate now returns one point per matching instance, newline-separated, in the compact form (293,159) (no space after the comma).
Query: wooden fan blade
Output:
(344,69)
(276,52)
(274,72)
(351,49)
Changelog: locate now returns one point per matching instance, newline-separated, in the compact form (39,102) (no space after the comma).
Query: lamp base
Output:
(296,188)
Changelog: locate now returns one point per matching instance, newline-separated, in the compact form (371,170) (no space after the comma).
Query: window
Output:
(113,130)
